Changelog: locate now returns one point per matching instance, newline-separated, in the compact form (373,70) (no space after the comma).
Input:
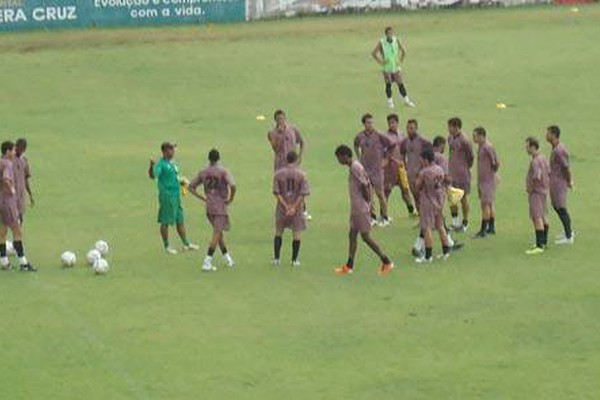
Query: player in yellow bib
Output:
(389,53)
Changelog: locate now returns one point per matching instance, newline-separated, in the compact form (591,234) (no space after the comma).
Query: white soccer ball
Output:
(10,250)
(68,259)
(101,266)
(92,256)
(102,247)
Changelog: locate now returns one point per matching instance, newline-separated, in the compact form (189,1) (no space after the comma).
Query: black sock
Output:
(18,245)
(454,214)
(465,222)
(384,217)
(445,249)
(491,225)
(402,90)
(277,242)
(385,259)
(546,229)
(411,208)
(422,235)
(484,225)
(388,90)
(350,263)
(428,252)
(295,249)
(210,252)
(373,216)
(223,249)
(539,238)
(565,218)
(3,250)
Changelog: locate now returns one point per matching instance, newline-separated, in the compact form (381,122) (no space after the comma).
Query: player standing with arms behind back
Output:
(487,167)
(389,53)
(460,163)
(537,184)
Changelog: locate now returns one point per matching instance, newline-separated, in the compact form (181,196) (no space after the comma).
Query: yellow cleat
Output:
(534,251)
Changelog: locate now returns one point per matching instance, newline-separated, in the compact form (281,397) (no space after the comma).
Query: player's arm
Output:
(151,174)
(567,170)
(495,161)
(402,50)
(469,152)
(365,190)
(232,191)
(300,142)
(27,187)
(274,140)
(377,54)
(357,147)
(193,186)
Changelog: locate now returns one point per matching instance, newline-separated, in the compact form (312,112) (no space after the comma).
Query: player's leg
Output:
(383,208)
(4,262)
(558,197)
(402,89)
(180,224)
(485,216)
(277,241)
(465,207)
(386,264)
(536,214)
(491,229)
(352,246)
(24,265)
(207,265)
(407,201)
(164,234)
(226,256)
(387,78)
(296,247)
(428,241)
(444,238)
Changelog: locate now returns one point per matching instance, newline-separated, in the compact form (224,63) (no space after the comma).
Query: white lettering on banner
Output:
(144,13)
(181,2)
(120,3)
(8,15)
(65,13)
(188,11)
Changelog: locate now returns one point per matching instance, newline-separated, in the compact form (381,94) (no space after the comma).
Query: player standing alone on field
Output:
(537,184)
(290,187)
(389,53)
(487,167)
(170,211)
(219,191)
(22,175)
(360,219)
(460,163)
(560,182)
(284,138)
(9,212)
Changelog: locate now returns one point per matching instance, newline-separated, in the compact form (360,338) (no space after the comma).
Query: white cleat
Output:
(390,102)
(190,247)
(562,235)
(170,250)
(296,264)
(565,240)
(443,256)
(423,260)
(382,222)
(409,103)
(207,265)
(276,262)
(228,260)
(307,216)
(374,222)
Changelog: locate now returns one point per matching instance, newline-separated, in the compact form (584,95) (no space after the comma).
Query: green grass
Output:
(490,323)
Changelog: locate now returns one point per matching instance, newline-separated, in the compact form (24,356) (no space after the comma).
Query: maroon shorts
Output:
(376,179)
(487,192)
(296,222)
(9,212)
(412,185)
(462,184)
(390,77)
(219,223)
(558,194)
(390,178)
(538,208)
(360,222)
(430,217)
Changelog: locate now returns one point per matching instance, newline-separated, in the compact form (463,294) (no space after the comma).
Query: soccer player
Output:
(219,191)
(461,161)
(410,152)
(389,53)
(290,187)
(431,186)
(537,185)
(487,167)
(370,145)
(561,181)
(394,165)
(170,211)
(285,137)
(360,199)
(9,211)
(22,175)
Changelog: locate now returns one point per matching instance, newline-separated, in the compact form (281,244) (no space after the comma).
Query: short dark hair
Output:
(455,122)
(7,146)
(554,131)
(413,121)
(427,154)
(532,142)
(21,143)
(365,117)
(393,117)
(343,150)
(214,156)
(277,113)
(439,141)
(387,29)
(480,130)
(291,157)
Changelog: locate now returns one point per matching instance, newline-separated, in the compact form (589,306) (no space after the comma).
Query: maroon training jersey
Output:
(487,164)
(290,183)
(559,164)
(286,140)
(538,175)
(372,150)
(216,181)
(411,149)
(461,157)
(356,179)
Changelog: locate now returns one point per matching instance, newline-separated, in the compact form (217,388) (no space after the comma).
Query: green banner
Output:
(47,14)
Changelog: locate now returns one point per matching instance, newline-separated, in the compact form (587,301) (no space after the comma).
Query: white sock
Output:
(22,260)
(456,221)
(450,241)
(4,261)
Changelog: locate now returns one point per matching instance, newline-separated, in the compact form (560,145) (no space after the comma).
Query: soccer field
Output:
(489,323)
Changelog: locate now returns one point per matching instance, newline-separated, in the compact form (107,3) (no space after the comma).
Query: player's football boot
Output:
(385,269)
(27,267)
(534,251)
(343,270)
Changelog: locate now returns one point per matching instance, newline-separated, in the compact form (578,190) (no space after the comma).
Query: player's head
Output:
(279,117)
(20,146)
(291,157)
(392,121)
(412,128)
(168,150)
(343,154)
(454,126)
(367,121)
(427,156)
(553,134)
(214,156)
(389,33)
(532,145)
(479,135)
(439,143)
(8,149)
